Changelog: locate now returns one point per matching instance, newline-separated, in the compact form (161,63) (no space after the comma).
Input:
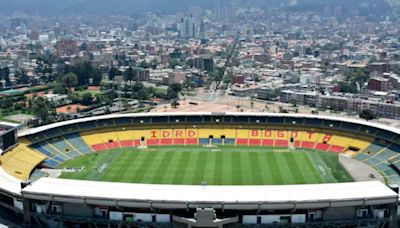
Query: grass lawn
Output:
(224,165)
(6,116)
(93,92)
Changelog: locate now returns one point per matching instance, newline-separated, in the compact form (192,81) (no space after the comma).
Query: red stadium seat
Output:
(153,142)
(297,144)
(322,146)
(336,149)
(99,147)
(112,145)
(166,141)
(192,141)
(136,142)
(242,142)
(179,142)
(127,143)
(254,142)
(309,145)
(268,142)
(281,143)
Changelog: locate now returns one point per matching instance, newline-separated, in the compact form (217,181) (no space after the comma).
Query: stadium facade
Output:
(53,201)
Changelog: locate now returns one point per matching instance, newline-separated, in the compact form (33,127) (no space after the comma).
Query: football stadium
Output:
(202,170)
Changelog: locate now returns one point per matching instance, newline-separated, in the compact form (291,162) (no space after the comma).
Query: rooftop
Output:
(213,194)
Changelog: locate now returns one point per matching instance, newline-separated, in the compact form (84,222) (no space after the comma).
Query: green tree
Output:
(367,114)
(18,106)
(348,87)
(59,89)
(5,75)
(112,73)
(174,62)
(44,69)
(69,81)
(174,104)
(74,97)
(97,76)
(217,76)
(111,95)
(42,108)
(140,92)
(83,70)
(173,91)
(129,75)
(87,99)
(104,98)
(143,94)
(6,103)
(360,76)
(22,77)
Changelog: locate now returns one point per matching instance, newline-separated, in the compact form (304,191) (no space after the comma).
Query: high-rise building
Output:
(202,30)
(204,64)
(379,68)
(187,28)
(378,84)
(208,64)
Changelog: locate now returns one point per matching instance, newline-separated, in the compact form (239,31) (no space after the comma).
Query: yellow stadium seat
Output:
(204,132)
(108,136)
(228,133)
(125,135)
(340,141)
(20,161)
(361,144)
(92,139)
(142,133)
(217,133)
(242,133)
(308,136)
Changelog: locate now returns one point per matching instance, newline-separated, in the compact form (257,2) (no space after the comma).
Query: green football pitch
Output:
(223,165)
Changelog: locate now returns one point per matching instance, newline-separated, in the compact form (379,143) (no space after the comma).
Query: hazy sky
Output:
(54,7)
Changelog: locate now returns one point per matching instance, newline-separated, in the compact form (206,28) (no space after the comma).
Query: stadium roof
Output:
(334,118)
(9,124)
(9,183)
(356,193)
